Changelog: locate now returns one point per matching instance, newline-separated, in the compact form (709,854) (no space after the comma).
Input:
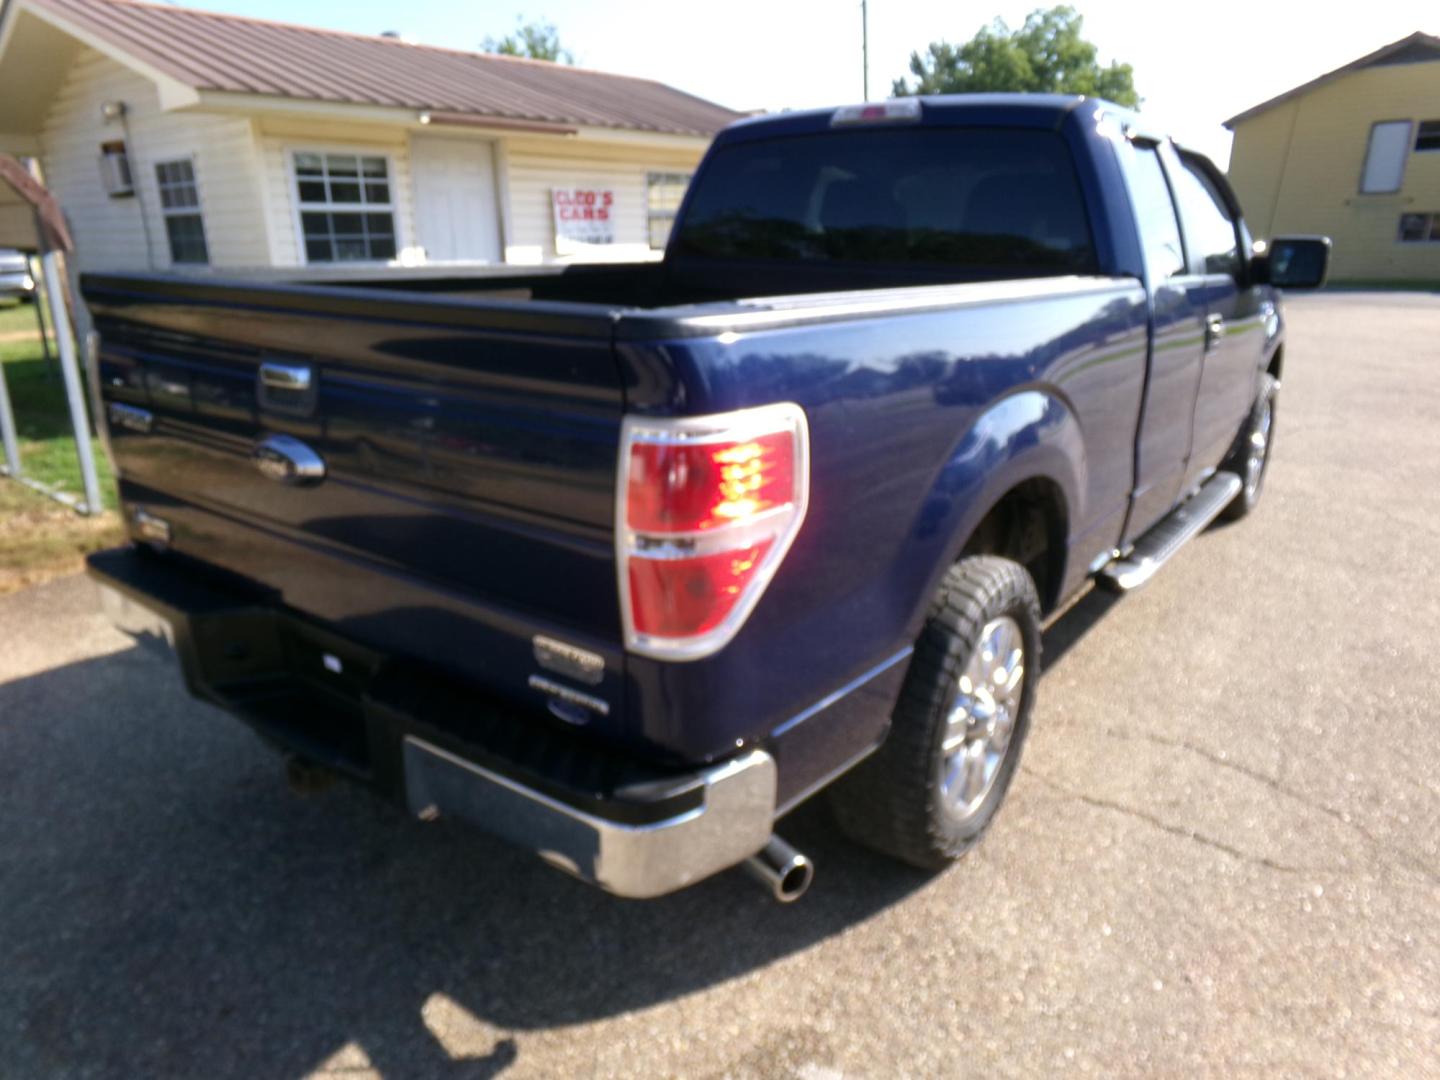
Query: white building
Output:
(186,140)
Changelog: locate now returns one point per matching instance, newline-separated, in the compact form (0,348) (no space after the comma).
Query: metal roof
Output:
(1417,48)
(230,53)
(30,218)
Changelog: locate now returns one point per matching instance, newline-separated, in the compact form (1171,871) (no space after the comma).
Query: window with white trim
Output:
(663,193)
(347,212)
(1385,157)
(1419,228)
(180,206)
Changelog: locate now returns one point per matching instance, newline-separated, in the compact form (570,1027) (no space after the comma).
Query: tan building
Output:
(1354,155)
(182,140)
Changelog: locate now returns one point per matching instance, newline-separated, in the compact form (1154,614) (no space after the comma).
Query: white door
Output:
(457,216)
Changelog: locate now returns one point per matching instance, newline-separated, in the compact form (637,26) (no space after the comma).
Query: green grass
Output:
(37,398)
(39,537)
(17,318)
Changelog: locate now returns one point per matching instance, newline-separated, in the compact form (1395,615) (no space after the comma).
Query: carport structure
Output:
(31,221)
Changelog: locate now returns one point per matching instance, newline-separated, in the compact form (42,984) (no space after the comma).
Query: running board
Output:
(1168,535)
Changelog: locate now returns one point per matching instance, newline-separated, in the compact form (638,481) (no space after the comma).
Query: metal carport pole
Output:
(32,221)
(74,389)
(7,430)
(40,316)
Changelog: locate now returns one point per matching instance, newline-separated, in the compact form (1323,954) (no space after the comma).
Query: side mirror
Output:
(1294,262)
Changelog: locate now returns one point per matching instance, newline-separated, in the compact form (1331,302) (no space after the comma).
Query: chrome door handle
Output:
(287,460)
(1214,331)
(285,376)
(286,388)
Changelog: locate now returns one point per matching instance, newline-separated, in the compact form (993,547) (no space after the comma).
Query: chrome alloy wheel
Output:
(1258,447)
(982,717)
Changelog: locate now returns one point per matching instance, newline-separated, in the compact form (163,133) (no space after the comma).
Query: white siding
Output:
(247,192)
(110,233)
(279,141)
(538,165)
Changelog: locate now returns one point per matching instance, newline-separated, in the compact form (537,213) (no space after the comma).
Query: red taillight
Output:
(708,509)
(690,488)
(679,598)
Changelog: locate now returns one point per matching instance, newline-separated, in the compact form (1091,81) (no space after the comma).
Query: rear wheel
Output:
(1250,457)
(929,793)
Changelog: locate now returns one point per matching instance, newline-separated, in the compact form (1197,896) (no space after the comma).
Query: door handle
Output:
(279,376)
(1214,331)
(286,387)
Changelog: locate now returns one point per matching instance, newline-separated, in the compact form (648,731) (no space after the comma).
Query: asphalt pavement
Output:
(1221,856)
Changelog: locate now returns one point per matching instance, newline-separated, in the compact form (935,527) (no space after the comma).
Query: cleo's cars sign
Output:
(584,217)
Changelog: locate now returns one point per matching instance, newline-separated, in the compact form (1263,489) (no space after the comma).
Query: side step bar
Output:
(1168,535)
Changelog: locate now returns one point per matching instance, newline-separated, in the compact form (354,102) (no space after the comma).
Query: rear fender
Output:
(1030,434)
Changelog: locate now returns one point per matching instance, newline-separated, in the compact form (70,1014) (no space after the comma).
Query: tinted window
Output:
(1211,228)
(1159,226)
(1417,227)
(929,196)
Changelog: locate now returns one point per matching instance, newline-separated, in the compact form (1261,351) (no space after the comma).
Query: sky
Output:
(1195,64)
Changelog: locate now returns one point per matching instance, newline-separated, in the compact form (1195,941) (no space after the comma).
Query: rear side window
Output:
(1212,229)
(1155,211)
(980,199)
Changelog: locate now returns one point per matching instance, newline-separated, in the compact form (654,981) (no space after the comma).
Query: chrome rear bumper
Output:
(635,832)
(733,822)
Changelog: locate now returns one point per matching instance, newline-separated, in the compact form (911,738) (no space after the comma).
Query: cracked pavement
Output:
(1222,854)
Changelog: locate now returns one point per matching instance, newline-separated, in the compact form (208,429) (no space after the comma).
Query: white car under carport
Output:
(15,275)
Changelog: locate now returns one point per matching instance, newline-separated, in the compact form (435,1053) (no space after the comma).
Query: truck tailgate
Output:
(469,450)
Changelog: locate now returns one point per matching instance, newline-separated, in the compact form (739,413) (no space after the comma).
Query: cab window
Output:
(1155,212)
(1211,228)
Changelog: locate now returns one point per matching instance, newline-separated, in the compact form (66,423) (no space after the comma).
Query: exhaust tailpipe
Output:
(782,870)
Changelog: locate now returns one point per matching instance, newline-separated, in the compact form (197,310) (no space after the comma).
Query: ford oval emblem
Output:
(287,460)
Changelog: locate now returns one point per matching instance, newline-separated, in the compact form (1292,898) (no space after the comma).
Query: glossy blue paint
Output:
(468,504)
(919,423)
(837,731)
(472,447)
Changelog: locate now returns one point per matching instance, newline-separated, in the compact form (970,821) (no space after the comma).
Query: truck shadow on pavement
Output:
(167,907)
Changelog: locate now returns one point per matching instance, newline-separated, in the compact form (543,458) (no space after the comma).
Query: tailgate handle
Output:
(285,376)
(286,387)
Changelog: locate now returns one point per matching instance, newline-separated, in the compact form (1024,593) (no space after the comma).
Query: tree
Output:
(1046,55)
(537,40)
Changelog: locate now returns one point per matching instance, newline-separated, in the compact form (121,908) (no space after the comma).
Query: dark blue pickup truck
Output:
(622,563)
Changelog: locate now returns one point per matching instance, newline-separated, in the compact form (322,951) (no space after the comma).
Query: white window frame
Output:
(650,214)
(1404,156)
(292,180)
(167,212)
(1432,228)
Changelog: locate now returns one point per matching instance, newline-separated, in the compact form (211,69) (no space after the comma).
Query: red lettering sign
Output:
(583,218)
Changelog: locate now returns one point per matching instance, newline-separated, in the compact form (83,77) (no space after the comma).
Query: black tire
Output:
(895,801)
(1261,423)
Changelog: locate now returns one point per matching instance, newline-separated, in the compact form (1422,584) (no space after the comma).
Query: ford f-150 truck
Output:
(622,563)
